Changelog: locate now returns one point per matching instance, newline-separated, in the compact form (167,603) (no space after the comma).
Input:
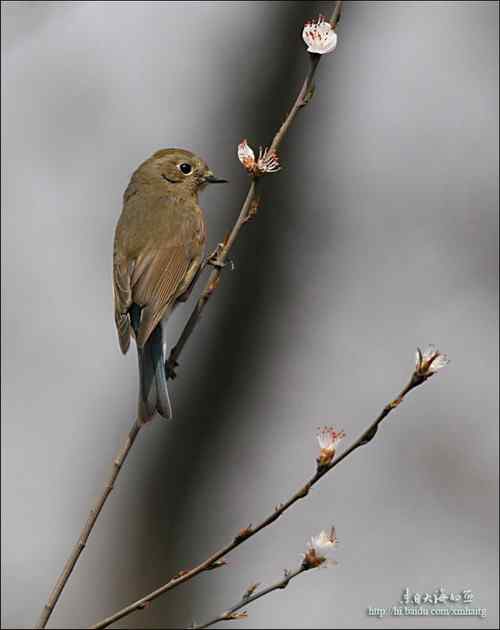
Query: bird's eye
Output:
(185,168)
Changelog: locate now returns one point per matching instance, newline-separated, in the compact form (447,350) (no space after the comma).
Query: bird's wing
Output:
(155,283)
(122,297)
(156,242)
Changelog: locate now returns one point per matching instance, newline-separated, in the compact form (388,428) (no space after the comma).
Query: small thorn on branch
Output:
(252,210)
(236,615)
(303,492)
(251,590)
(395,403)
(369,435)
(308,96)
(287,576)
(217,564)
(243,534)
(213,285)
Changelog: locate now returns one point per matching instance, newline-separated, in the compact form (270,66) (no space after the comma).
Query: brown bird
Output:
(158,251)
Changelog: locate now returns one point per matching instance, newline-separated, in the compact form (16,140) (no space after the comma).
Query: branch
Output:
(421,374)
(248,208)
(249,597)
(247,211)
(118,461)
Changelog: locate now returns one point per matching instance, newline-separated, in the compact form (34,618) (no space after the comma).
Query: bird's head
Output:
(180,170)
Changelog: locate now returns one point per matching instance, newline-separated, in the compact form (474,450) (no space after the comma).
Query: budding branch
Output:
(232,613)
(248,532)
(247,210)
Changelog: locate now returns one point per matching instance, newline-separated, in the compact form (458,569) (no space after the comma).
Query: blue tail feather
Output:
(153,392)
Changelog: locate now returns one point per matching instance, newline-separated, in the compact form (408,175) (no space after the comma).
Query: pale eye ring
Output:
(185,168)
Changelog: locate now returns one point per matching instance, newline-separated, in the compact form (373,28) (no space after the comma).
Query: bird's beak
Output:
(211,179)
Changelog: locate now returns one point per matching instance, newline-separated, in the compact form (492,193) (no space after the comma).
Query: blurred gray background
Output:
(379,234)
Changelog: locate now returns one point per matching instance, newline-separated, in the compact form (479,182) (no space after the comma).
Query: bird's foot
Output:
(214,259)
(170,366)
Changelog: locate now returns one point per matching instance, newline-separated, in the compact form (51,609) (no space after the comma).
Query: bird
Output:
(158,252)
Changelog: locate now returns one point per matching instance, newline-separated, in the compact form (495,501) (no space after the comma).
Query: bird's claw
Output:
(214,258)
(215,262)
(170,366)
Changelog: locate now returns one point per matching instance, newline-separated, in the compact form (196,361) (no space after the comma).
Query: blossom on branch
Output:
(267,162)
(319,36)
(246,155)
(328,440)
(430,361)
(319,549)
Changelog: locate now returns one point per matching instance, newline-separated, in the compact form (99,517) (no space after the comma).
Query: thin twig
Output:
(245,214)
(232,613)
(246,210)
(120,458)
(250,531)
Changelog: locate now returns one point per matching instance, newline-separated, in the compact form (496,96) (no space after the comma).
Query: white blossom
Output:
(319,549)
(267,162)
(319,36)
(246,155)
(430,361)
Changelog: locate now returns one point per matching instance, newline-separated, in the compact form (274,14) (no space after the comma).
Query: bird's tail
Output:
(153,392)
